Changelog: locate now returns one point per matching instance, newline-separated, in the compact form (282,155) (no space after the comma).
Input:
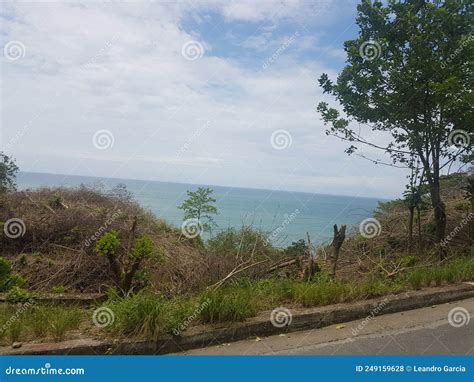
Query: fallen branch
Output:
(239,268)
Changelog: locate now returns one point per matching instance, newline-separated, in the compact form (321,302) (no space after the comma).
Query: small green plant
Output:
(62,321)
(38,320)
(17,294)
(58,289)
(23,261)
(56,202)
(416,279)
(297,248)
(463,205)
(410,260)
(125,264)
(8,280)
(15,331)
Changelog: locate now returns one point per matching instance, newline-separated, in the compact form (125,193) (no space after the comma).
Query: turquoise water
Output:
(286,216)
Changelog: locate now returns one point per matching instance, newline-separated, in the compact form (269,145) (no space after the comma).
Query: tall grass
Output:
(150,315)
(39,322)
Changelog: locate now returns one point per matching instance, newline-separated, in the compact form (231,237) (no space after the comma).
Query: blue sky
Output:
(206,92)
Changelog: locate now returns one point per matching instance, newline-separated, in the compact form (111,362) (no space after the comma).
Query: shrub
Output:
(297,248)
(58,289)
(17,294)
(124,265)
(244,242)
(7,279)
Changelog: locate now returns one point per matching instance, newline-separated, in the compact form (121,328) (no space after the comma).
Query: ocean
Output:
(286,216)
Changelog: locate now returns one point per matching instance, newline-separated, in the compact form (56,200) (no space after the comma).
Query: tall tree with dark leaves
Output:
(409,74)
(8,172)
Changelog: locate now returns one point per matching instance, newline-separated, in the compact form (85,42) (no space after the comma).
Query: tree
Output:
(200,205)
(297,248)
(409,73)
(8,171)
(413,199)
(124,264)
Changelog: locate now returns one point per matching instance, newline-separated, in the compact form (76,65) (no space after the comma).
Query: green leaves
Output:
(8,171)
(142,248)
(409,72)
(107,245)
(200,205)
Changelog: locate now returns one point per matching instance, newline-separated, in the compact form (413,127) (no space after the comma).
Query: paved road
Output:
(420,331)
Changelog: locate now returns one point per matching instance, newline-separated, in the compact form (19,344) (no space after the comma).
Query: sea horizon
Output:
(293,213)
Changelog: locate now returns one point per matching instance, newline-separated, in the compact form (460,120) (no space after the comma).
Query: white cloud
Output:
(119,67)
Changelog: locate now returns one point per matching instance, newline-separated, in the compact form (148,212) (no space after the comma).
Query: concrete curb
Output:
(302,319)
(63,298)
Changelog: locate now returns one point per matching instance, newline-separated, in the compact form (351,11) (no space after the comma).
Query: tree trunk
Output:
(116,268)
(432,173)
(418,217)
(338,239)
(128,277)
(410,229)
(439,214)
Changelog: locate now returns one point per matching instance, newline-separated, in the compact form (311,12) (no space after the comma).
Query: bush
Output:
(245,242)
(7,279)
(297,248)
(59,289)
(17,294)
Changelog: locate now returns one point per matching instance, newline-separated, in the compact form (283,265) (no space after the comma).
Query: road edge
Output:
(302,319)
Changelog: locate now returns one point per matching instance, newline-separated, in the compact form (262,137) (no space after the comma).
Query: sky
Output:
(202,92)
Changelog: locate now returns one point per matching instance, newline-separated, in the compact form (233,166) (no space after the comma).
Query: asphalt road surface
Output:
(419,331)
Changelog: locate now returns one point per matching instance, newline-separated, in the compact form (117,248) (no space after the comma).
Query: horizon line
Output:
(202,184)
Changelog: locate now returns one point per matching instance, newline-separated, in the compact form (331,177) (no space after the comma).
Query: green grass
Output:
(148,315)
(140,315)
(61,321)
(455,271)
(231,304)
(37,322)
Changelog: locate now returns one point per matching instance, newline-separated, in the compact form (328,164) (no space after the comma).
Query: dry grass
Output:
(57,248)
